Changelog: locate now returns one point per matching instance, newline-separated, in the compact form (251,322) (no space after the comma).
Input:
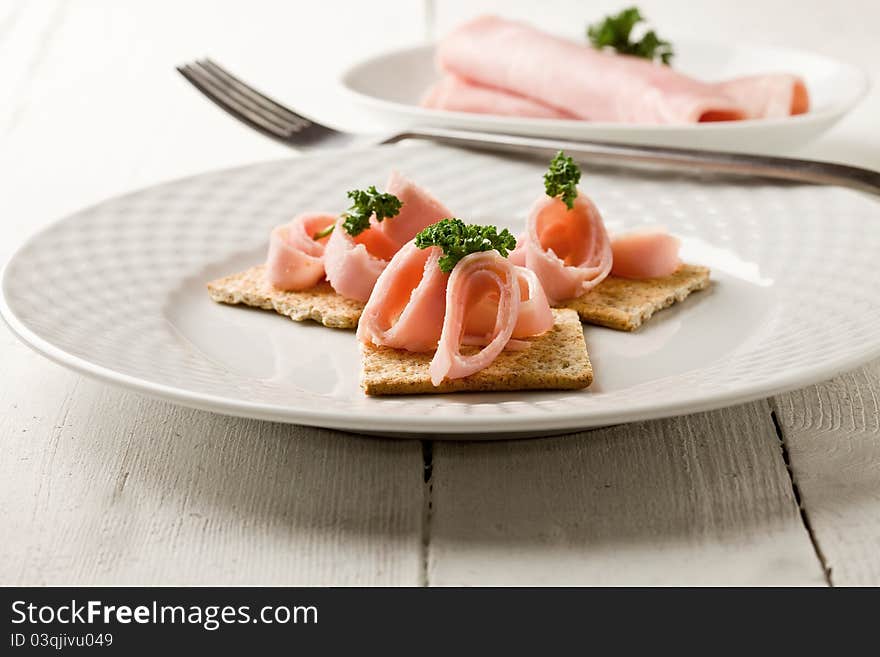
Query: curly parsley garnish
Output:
(562,178)
(615,31)
(365,203)
(458,239)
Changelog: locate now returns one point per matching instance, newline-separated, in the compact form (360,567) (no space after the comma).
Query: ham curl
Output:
(486,301)
(419,210)
(408,302)
(649,253)
(770,96)
(295,260)
(577,79)
(534,317)
(475,276)
(455,94)
(353,264)
(569,250)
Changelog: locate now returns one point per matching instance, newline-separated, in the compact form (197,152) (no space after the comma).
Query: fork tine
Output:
(268,125)
(241,100)
(245,89)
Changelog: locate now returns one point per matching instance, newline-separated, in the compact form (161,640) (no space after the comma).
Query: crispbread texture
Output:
(625,304)
(557,360)
(320,303)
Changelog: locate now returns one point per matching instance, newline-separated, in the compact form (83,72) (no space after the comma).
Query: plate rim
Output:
(434,426)
(835,111)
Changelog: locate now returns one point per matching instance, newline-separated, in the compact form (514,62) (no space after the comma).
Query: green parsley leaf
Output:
(458,239)
(615,32)
(562,178)
(323,233)
(365,203)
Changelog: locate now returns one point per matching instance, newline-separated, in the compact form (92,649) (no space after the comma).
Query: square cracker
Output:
(557,360)
(321,303)
(625,304)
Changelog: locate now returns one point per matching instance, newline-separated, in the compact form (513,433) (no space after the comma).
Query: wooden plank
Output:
(832,432)
(106,487)
(704,499)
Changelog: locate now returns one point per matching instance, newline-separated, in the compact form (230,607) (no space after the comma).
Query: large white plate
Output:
(389,86)
(118,292)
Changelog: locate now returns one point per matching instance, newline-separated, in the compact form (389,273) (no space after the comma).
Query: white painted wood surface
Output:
(102,486)
(698,500)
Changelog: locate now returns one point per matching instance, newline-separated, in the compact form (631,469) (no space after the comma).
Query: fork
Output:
(283,124)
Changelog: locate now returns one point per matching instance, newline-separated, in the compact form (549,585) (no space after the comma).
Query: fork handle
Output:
(764,166)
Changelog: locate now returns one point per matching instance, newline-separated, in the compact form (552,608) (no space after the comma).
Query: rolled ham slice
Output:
(456,94)
(353,264)
(771,96)
(534,316)
(648,253)
(419,210)
(295,260)
(408,303)
(568,250)
(577,79)
(473,278)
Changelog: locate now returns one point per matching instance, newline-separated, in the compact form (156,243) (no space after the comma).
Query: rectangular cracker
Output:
(557,360)
(624,304)
(321,303)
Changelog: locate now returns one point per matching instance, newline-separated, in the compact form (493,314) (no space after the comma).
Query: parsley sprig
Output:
(562,178)
(458,239)
(615,32)
(365,203)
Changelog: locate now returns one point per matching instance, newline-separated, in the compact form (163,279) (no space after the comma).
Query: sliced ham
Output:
(473,278)
(771,96)
(295,260)
(577,79)
(353,264)
(408,303)
(534,316)
(455,94)
(649,253)
(419,210)
(486,301)
(569,250)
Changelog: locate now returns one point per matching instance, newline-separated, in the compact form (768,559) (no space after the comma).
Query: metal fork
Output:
(283,124)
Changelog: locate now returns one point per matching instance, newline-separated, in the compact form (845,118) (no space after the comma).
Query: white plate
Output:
(117,291)
(389,87)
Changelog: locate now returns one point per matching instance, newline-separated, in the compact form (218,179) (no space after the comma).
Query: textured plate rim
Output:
(377,422)
(832,112)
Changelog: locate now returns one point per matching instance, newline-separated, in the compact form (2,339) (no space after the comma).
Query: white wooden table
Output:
(100,486)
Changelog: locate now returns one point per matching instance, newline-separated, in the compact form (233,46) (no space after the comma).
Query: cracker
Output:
(320,303)
(557,360)
(624,304)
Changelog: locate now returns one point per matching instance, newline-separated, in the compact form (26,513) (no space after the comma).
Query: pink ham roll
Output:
(408,302)
(419,210)
(456,94)
(295,260)
(353,264)
(577,79)
(771,96)
(473,278)
(568,250)
(647,253)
